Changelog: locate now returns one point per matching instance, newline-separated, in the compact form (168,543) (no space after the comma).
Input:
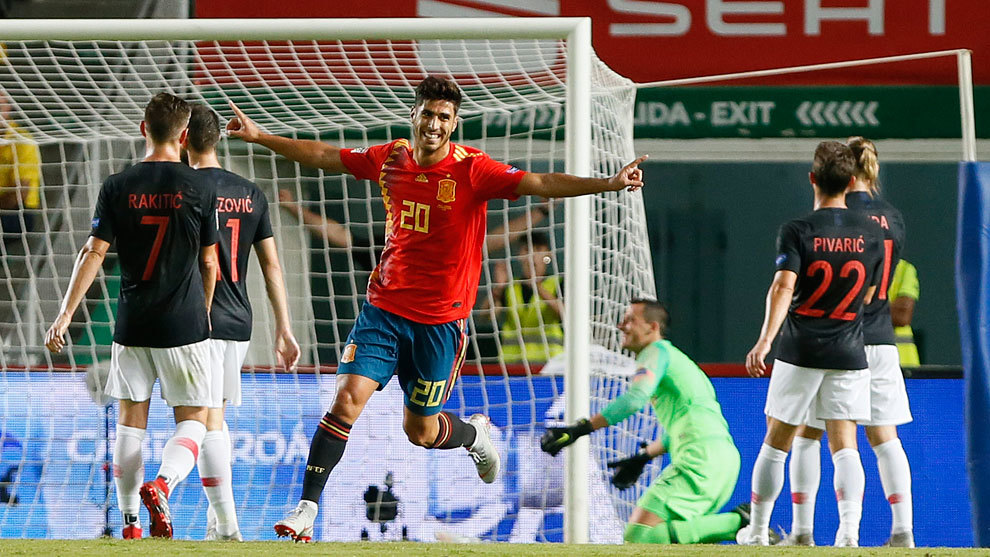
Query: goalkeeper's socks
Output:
(325,451)
(180,452)
(895,475)
(128,470)
(768,480)
(713,528)
(215,473)
(849,481)
(806,474)
(453,433)
(640,533)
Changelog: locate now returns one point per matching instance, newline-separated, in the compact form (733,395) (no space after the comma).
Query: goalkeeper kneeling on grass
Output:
(680,505)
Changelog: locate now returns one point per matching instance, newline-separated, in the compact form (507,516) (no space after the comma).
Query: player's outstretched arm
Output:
(558,184)
(778,301)
(209,266)
(83,272)
(310,153)
(286,347)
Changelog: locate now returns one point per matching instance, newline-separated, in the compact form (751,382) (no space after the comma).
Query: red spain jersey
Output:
(435,224)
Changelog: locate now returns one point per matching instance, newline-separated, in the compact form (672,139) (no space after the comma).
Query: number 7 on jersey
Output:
(162,224)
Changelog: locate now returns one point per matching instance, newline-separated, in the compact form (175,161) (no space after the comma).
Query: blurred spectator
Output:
(531,309)
(20,175)
(903,294)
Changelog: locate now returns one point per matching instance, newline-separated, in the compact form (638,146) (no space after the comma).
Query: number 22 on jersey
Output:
(840,310)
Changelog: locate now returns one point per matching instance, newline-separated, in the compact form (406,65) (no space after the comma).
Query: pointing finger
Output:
(637,162)
(236,110)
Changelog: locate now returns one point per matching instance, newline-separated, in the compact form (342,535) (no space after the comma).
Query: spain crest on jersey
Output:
(445,191)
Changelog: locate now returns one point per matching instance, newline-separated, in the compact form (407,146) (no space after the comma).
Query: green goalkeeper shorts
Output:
(699,481)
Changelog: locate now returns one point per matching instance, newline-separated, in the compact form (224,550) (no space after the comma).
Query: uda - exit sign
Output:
(906,112)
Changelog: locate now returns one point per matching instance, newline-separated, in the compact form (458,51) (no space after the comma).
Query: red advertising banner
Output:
(650,40)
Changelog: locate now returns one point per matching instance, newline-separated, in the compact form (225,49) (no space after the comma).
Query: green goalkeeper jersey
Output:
(681,394)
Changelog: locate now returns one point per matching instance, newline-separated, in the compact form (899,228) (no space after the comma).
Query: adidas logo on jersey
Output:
(422,178)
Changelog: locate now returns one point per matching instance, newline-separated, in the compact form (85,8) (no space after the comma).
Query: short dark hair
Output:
(438,89)
(537,238)
(204,128)
(834,167)
(165,117)
(654,311)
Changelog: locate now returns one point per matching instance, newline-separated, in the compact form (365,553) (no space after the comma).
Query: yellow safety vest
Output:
(20,159)
(531,331)
(905,283)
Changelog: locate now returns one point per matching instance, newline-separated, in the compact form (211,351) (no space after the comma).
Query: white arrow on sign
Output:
(843,113)
(816,113)
(834,113)
(870,113)
(802,113)
(830,113)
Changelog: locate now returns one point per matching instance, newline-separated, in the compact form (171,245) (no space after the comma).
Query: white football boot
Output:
(486,458)
(746,536)
(298,524)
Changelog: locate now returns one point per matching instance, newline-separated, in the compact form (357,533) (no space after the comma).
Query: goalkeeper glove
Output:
(556,438)
(627,470)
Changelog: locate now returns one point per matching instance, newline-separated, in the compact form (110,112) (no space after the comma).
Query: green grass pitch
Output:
(108,547)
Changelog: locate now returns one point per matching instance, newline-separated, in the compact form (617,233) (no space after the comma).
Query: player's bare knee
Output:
(878,435)
(841,435)
(134,414)
(812,433)
(346,406)
(214,419)
(196,413)
(780,435)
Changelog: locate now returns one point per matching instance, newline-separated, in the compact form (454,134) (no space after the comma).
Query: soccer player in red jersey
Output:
(422,291)
(162,216)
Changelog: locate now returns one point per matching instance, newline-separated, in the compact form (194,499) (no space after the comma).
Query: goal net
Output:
(80,103)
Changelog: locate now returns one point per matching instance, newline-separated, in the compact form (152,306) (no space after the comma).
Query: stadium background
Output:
(711,235)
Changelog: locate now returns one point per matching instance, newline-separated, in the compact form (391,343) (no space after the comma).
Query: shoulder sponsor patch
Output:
(781,259)
(96,222)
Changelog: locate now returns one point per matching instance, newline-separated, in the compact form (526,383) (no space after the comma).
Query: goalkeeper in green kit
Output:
(680,505)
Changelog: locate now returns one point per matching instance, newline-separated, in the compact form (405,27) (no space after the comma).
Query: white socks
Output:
(849,481)
(180,452)
(895,475)
(805,474)
(215,473)
(768,480)
(128,469)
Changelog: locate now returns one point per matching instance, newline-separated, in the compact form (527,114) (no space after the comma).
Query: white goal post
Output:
(578,133)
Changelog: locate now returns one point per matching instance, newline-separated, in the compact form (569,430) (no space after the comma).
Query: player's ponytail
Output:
(867,165)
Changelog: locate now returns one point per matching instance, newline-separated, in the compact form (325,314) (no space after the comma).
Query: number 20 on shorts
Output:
(428,393)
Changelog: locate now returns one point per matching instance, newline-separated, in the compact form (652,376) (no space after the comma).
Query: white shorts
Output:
(888,397)
(228,358)
(832,394)
(184,373)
